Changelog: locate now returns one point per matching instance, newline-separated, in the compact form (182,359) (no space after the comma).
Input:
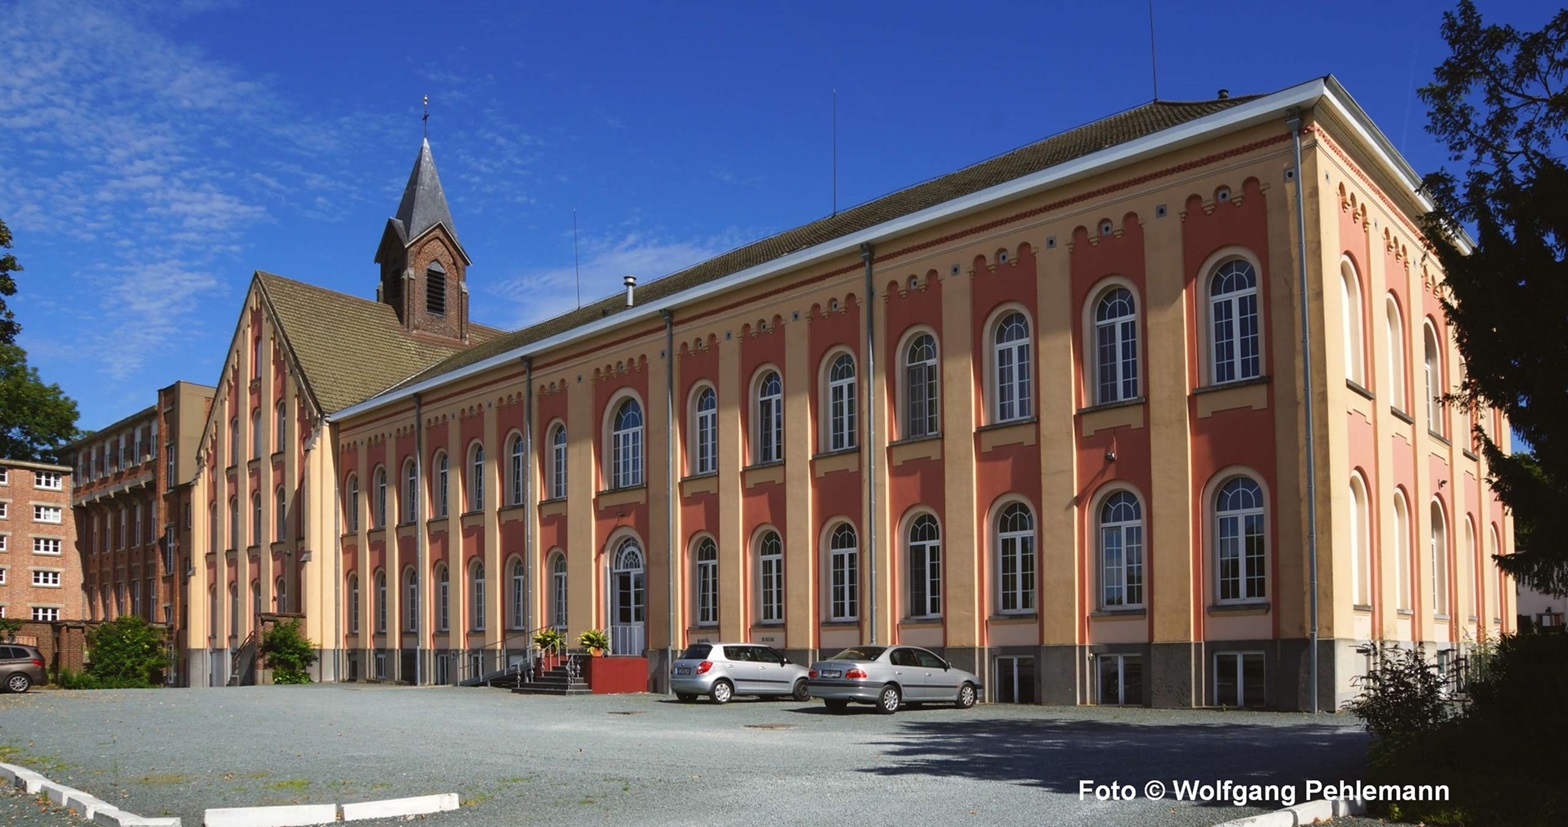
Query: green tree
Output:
(1500,106)
(8,326)
(126,653)
(288,653)
(36,419)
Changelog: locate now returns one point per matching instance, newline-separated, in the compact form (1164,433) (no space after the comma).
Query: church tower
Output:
(423,267)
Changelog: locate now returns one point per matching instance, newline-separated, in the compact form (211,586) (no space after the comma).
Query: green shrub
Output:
(288,653)
(125,653)
(1402,696)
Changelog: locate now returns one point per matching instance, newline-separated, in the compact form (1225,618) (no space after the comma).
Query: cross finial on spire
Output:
(426,118)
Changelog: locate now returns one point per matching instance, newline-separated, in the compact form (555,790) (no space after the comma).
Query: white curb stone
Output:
(292,815)
(1349,806)
(56,792)
(1278,818)
(395,807)
(29,781)
(1310,812)
(85,805)
(8,773)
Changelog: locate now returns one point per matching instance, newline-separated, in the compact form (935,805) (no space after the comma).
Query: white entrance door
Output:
(628,593)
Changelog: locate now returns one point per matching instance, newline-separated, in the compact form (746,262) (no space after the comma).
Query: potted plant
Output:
(550,642)
(595,641)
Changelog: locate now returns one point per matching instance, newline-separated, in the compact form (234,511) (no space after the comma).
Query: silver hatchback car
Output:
(723,670)
(890,676)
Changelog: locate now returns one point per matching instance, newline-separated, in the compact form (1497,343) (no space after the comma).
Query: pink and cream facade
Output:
(1043,415)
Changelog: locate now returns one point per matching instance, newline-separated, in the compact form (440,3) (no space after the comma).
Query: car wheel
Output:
(887,702)
(685,697)
(721,692)
(802,692)
(966,696)
(18,682)
(836,704)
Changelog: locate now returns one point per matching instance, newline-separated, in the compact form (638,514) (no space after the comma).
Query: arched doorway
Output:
(628,599)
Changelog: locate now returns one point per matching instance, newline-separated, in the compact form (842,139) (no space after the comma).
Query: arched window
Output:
(626,445)
(1351,315)
(770,576)
(922,399)
(476,478)
(1360,543)
(558,591)
(1469,581)
(1015,559)
(924,555)
(408,509)
(281,522)
(410,600)
(516,469)
(234,441)
(280,424)
(843,574)
(1494,548)
(557,469)
(840,413)
(1402,550)
(234,523)
(1233,320)
(1116,346)
(1242,551)
(770,418)
(381,600)
(628,598)
(256,434)
(234,608)
(379,512)
(351,504)
(443,598)
(477,596)
(518,594)
(705,427)
(1121,551)
(1434,383)
(280,593)
(706,571)
(1439,541)
(353,604)
(435,289)
(442,489)
(1012,368)
(1397,368)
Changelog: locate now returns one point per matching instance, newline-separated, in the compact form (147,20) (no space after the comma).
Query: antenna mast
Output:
(576,265)
(426,118)
(1154,65)
(835,152)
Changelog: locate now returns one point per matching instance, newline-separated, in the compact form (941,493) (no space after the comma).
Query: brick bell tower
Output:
(424,269)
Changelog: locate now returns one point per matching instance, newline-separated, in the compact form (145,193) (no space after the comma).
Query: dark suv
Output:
(20,667)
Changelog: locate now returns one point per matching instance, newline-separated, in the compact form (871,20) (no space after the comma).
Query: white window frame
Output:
(558,590)
(1240,660)
(1402,551)
(705,575)
(770,577)
(1432,363)
(923,565)
(1121,661)
(280,427)
(1437,539)
(48,480)
(557,469)
(1233,534)
(51,514)
(769,425)
(1236,306)
(378,514)
(1120,542)
(516,469)
(1397,367)
(255,518)
(1016,559)
(255,434)
(518,594)
(1012,366)
(351,504)
(46,578)
(1360,541)
(922,385)
(1115,345)
(443,598)
(353,603)
(476,582)
(705,431)
(443,486)
(626,443)
(409,506)
(280,593)
(843,572)
(45,614)
(840,412)
(476,478)
(1351,317)
(381,601)
(48,546)
(410,600)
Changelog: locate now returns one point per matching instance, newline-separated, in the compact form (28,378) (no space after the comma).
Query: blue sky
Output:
(154,154)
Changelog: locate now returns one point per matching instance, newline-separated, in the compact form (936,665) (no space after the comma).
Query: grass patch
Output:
(289,784)
(476,799)
(165,778)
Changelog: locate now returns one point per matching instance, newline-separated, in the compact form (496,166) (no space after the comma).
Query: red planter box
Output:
(616,675)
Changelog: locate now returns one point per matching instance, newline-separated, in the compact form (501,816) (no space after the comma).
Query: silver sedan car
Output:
(723,670)
(890,676)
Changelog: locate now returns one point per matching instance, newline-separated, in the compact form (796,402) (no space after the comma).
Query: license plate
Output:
(832,673)
(683,670)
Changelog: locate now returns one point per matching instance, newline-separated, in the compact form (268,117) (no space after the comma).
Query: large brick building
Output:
(1044,414)
(40,571)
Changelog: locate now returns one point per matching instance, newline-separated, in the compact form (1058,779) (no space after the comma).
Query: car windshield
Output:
(696,651)
(860,653)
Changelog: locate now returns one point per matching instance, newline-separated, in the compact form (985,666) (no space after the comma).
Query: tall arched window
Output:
(706,572)
(1012,368)
(1242,551)
(442,486)
(1360,543)
(770,418)
(1401,551)
(477,596)
(922,400)
(1439,540)
(279,422)
(379,512)
(435,289)
(1468,575)
(558,591)
(281,522)
(234,524)
(1434,383)
(1351,315)
(518,595)
(705,446)
(1493,548)
(770,576)
(234,609)
(381,600)
(1116,346)
(280,593)
(353,604)
(843,574)
(840,413)
(443,598)
(1015,559)
(351,504)
(1233,319)
(557,468)
(1397,368)
(924,556)
(515,477)
(257,434)
(408,509)
(1121,551)
(476,478)
(255,518)
(626,445)
(234,443)
(410,599)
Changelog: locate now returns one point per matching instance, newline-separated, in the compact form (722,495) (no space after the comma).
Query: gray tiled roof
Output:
(1075,143)
(424,203)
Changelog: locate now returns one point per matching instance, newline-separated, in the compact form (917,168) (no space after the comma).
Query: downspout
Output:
(421,546)
(868,254)
(528,497)
(669,471)
(1294,123)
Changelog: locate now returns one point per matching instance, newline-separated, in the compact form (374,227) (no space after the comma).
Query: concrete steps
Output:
(557,681)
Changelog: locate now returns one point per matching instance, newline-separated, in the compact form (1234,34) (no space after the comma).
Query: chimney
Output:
(631,284)
(1224,93)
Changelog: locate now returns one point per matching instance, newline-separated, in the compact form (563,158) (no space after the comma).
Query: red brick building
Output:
(40,572)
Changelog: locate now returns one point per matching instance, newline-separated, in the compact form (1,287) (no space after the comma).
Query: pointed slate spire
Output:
(424,204)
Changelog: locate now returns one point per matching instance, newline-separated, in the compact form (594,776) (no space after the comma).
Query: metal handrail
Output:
(464,672)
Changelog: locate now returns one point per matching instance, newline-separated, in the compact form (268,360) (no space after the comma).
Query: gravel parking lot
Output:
(645,759)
